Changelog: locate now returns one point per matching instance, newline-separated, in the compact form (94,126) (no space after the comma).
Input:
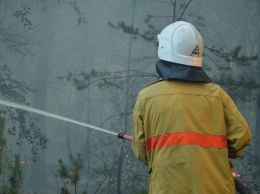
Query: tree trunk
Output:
(174,11)
(257,128)
(39,176)
(120,163)
(2,125)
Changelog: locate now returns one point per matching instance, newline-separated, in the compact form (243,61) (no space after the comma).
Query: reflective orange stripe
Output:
(186,138)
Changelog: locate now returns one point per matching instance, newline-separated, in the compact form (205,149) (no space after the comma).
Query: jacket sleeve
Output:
(138,142)
(237,130)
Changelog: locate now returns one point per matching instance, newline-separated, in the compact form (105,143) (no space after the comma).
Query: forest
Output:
(86,61)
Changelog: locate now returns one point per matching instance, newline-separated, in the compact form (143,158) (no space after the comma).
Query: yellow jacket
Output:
(186,132)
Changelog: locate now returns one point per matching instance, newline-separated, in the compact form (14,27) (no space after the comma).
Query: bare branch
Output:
(186,6)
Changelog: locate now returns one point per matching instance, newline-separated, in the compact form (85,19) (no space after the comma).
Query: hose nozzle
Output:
(122,135)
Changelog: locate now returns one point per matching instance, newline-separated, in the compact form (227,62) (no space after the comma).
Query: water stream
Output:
(40,112)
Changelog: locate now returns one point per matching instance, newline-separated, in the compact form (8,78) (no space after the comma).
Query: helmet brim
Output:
(169,70)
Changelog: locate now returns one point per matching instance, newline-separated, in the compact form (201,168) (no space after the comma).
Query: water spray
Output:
(40,112)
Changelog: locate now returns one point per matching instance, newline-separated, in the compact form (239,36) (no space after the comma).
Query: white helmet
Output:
(181,43)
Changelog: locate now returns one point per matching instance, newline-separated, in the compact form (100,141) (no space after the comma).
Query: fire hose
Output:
(240,187)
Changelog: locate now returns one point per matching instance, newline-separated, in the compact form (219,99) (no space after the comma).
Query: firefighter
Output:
(185,128)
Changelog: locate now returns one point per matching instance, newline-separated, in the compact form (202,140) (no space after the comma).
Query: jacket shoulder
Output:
(153,82)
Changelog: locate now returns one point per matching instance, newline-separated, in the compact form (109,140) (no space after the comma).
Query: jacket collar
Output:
(169,70)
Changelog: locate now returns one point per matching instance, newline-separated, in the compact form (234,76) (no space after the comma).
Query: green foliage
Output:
(233,56)
(70,173)
(81,18)
(2,140)
(14,41)
(23,126)
(12,166)
(83,80)
(104,79)
(235,72)
(149,35)
(14,174)
(12,88)
(15,177)
(23,15)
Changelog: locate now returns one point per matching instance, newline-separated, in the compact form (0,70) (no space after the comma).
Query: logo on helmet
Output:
(196,52)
